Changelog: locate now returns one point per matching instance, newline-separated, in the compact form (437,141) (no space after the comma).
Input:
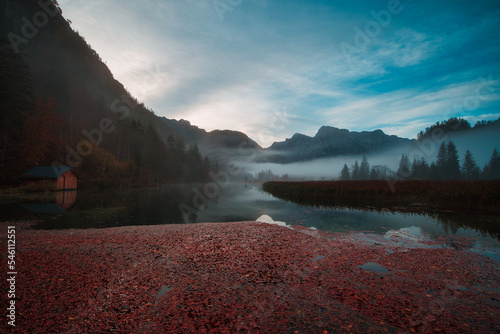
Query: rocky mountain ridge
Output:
(329,142)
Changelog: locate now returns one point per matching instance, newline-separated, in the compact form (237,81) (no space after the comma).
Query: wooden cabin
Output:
(63,177)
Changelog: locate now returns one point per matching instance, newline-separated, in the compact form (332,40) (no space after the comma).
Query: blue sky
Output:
(274,68)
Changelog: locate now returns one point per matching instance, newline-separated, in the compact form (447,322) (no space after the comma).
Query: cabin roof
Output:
(47,172)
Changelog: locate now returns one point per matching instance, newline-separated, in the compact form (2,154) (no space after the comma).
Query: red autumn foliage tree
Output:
(41,134)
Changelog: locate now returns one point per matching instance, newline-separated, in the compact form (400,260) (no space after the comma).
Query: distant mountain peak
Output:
(326,131)
(330,141)
(223,145)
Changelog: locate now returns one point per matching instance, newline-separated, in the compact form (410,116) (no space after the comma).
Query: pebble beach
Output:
(244,277)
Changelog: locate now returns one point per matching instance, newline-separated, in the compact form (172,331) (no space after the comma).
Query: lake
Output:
(175,204)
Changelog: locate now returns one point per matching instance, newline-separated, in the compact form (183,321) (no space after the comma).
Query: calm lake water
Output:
(238,202)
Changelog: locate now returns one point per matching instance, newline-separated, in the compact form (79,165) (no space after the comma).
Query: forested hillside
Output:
(457,125)
(59,104)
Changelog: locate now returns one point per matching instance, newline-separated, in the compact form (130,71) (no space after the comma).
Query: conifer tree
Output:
(452,162)
(404,167)
(344,174)
(355,171)
(420,169)
(364,169)
(194,163)
(433,171)
(442,157)
(492,169)
(470,170)
(171,143)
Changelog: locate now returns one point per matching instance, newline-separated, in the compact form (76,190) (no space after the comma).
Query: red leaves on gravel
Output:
(245,278)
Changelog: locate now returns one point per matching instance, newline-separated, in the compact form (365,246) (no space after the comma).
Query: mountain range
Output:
(229,145)
(221,145)
(330,142)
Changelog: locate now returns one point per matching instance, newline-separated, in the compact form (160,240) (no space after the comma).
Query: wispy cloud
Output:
(275,55)
(399,112)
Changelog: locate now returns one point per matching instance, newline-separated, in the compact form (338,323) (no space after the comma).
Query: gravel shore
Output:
(243,277)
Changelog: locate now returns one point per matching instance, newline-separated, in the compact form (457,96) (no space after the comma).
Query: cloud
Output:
(409,48)
(181,60)
(402,111)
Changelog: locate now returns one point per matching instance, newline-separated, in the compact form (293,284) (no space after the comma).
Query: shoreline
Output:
(245,277)
(464,197)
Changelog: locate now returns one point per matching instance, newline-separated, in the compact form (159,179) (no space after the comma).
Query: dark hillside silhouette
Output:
(60,104)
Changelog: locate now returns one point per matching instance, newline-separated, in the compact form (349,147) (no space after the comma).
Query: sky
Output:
(274,68)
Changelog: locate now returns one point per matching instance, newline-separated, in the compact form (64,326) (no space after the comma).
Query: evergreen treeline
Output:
(446,167)
(454,124)
(363,171)
(268,175)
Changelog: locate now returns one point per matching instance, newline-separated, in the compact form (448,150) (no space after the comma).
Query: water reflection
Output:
(62,202)
(235,202)
(122,207)
(359,215)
